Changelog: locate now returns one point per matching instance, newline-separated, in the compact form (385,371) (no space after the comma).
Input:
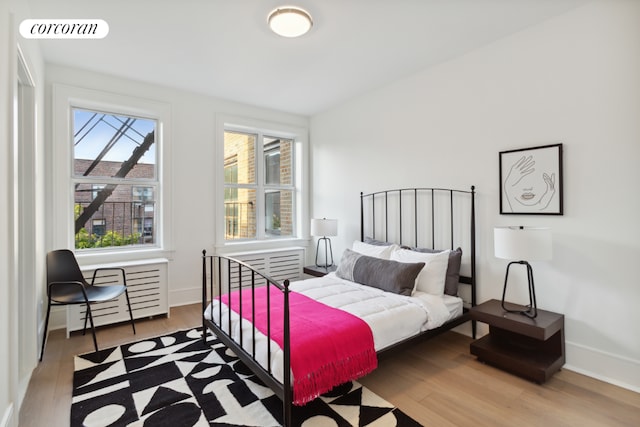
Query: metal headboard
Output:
(417,221)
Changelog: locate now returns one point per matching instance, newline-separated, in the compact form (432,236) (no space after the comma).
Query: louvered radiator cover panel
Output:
(279,265)
(147,282)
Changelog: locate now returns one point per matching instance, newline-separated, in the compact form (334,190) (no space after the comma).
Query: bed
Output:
(402,232)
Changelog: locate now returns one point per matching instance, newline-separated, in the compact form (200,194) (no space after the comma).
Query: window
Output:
(142,194)
(115,178)
(95,190)
(111,154)
(259,185)
(98,227)
(143,213)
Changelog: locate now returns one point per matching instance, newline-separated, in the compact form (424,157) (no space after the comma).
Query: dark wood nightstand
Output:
(316,271)
(530,348)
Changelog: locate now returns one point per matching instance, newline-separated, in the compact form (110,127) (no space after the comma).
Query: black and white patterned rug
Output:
(177,380)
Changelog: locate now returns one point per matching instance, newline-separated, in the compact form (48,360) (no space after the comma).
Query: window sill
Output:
(122,255)
(248,246)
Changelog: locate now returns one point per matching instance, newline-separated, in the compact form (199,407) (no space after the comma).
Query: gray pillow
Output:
(375,242)
(390,276)
(372,241)
(453,269)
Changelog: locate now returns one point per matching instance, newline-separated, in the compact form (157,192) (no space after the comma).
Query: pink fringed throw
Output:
(328,346)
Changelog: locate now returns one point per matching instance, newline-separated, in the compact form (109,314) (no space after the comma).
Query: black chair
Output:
(66,285)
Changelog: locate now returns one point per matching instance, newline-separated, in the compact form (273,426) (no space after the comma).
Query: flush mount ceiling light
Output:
(290,21)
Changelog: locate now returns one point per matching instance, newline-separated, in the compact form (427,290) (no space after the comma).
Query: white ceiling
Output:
(223,48)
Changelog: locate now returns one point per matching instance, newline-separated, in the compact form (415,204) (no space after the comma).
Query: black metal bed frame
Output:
(212,273)
(213,267)
(432,194)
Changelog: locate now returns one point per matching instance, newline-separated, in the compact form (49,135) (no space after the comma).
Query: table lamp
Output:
(324,227)
(521,245)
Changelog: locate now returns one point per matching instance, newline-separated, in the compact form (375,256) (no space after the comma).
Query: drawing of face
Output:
(531,189)
(529,182)
(527,195)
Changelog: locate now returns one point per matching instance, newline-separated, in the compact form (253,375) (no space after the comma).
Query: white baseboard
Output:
(7,417)
(608,367)
(604,366)
(23,386)
(185,296)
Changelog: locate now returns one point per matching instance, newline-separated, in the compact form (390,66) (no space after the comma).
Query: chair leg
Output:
(133,325)
(86,315)
(46,326)
(93,329)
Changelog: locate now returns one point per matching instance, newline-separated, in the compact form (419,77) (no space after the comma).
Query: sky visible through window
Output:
(93,130)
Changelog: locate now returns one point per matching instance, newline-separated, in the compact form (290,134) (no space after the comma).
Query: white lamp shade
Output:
(290,21)
(324,227)
(522,243)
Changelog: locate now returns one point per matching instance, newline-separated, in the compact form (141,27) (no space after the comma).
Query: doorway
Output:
(25,221)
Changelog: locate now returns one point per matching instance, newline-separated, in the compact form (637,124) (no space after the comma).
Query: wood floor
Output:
(437,382)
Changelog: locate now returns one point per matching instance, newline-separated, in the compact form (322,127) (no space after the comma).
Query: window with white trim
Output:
(109,159)
(260,185)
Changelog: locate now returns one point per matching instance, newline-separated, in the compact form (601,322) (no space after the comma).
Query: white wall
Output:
(573,79)
(193,124)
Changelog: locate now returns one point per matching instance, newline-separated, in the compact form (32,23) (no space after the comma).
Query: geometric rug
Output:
(176,380)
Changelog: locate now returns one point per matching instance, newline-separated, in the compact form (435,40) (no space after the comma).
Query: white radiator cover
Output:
(277,264)
(147,283)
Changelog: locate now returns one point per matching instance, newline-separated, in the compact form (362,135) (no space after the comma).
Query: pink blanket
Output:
(328,346)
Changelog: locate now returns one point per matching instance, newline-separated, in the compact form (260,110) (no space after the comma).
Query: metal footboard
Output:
(222,275)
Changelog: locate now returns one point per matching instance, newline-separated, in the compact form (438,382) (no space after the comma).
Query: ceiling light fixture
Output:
(290,21)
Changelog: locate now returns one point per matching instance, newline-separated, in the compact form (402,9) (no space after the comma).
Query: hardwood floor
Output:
(437,382)
(48,398)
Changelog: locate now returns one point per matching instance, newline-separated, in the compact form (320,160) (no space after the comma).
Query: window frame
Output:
(61,188)
(299,186)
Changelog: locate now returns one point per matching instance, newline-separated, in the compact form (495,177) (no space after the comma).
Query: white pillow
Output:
(377,251)
(432,277)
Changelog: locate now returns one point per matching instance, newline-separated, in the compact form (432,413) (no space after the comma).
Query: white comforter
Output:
(392,318)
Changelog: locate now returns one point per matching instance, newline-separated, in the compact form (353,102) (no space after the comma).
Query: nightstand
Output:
(314,270)
(530,348)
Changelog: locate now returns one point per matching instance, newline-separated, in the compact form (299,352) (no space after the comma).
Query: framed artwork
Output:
(531,181)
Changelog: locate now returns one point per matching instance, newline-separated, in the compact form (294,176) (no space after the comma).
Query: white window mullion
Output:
(260,177)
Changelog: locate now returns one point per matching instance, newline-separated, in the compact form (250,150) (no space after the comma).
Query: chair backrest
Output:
(63,267)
